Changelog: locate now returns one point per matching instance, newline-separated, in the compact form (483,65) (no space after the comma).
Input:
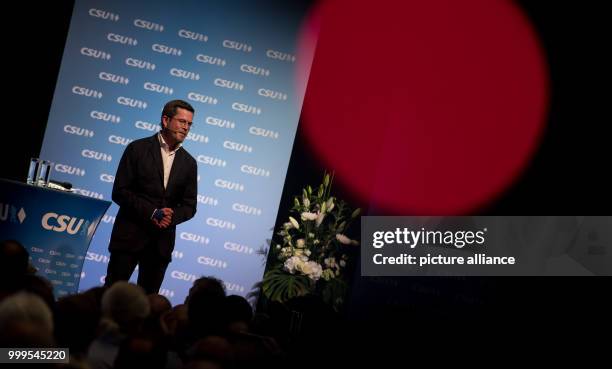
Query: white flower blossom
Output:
(311,269)
(330,262)
(292,263)
(342,263)
(294,222)
(320,218)
(300,243)
(327,274)
(285,252)
(309,216)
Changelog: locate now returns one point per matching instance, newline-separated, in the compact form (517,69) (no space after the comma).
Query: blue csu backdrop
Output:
(236,63)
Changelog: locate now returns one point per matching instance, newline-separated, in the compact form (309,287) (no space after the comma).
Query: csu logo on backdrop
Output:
(119,140)
(11,214)
(209,160)
(254,171)
(258,71)
(196,238)
(215,263)
(133,103)
(107,178)
(93,53)
(148,25)
(232,85)
(73,130)
(246,108)
(78,90)
(238,248)
(220,122)
(105,76)
(98,258)
(218,223)
(141,64)
(66,223)
(125,40)
(207,200)
(176,72)
(233,287)
(228,185)
(257,131)
(235,146)
(150,86)
(67,169)
(164,49)
(192,35)
(105,116)
(211,60)
(246,209)
(108,218)
(146,126)
(273,54)
(193,96)
(88,193)
(183,276)
(271,94)
(103,14)
(235,45)
(196,137)
(90,154)
(166,292)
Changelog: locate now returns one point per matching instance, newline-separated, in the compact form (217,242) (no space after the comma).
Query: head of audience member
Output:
(124,307)
(155,324)
(238,313)
(159,304)
(25,321)
(76,321)
(14,261)
(39,286)
(205,306)
(213,349)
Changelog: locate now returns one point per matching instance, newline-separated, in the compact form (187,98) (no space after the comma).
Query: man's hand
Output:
(166,220)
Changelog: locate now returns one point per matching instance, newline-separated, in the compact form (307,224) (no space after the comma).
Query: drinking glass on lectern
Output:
(45,173)
(33,171)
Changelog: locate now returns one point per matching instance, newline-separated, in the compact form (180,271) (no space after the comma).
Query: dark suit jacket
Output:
(139,190)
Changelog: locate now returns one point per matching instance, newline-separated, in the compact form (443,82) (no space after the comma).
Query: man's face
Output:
(178,126)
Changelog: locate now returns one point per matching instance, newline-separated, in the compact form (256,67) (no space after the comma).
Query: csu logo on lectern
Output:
(11,213)
(66,223)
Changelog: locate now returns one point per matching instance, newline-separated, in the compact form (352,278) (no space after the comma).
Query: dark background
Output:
(570,175)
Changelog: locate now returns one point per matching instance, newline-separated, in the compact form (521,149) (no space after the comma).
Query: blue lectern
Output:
(55,226)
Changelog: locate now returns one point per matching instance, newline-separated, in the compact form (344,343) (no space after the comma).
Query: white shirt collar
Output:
(165,146)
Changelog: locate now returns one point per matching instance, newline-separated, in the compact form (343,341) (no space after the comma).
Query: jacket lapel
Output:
(157,159)
(176,168)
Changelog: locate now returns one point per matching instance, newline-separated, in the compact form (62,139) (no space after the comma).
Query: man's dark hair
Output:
(171,106)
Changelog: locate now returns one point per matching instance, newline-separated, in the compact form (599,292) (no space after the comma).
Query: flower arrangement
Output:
(310,252)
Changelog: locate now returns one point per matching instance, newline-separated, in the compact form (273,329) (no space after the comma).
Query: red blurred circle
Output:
(425,107)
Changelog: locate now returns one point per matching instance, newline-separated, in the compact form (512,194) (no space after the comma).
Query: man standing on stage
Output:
(156,189)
